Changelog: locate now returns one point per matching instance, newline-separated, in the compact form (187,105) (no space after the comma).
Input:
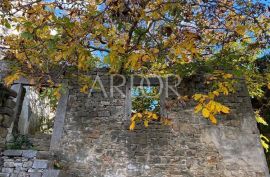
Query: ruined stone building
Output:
(91,137)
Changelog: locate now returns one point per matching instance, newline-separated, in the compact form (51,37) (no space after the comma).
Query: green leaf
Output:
(27,35)
(7,24)
(51,44)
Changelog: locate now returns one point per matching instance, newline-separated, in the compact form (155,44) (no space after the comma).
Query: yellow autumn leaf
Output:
(145,123)
(167,121)
(134,117)
(213,119)
(225,109)
(57,93)
(58,57)
(264,142)
(212,105)
(146,58)
(84,89)
(265,145)
(11,78)
(133,61)
(241,29)
(132,125)
(216,93)
(260,119)
(225,91)
(139,115)
(268,86)
(211,96)
(227,76)
(155,117)
(197,96)
(205,113)
(198,108)
(265,138)
(155,50)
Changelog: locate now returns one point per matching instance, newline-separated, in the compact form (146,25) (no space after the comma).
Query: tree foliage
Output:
(55,40)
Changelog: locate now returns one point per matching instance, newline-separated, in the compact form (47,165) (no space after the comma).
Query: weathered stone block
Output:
(29,153)
(35,174)
(22,174)
(51,173)
(10,103)
(7,170)
(4,175)
(43,155)
(40,164)
(3,132)
(7,121)
(18,165)
(13,153)
(27,164)
(14,174)
(9,164)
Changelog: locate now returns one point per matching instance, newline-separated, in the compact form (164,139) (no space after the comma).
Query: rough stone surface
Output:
(4,175)
(96,141)
(25,164)
(39,164)
(6,111)
(29,153)
(51,173)
(35,174)
(13,152)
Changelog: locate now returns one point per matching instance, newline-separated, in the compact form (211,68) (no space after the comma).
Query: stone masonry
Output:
(6,112)
(26,163)
(91,137)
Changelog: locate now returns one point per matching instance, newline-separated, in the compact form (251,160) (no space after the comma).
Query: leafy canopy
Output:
(55,40)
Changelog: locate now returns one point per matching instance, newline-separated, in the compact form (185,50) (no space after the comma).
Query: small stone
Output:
(7,170)
(7,121)
(38,164)
(29,154)
(43,155)
(35,174)
(31,170)
(14,175)
(27,164)
(9,164)
(18,165)
(22,174)
(3,132)
(105,103)
(13,153)
(51,173)
(4,175)
(146,167)
(131,167)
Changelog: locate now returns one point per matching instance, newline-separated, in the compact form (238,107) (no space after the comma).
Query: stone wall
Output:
(6,113)
(3,69)
(92,138)
(26,163)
